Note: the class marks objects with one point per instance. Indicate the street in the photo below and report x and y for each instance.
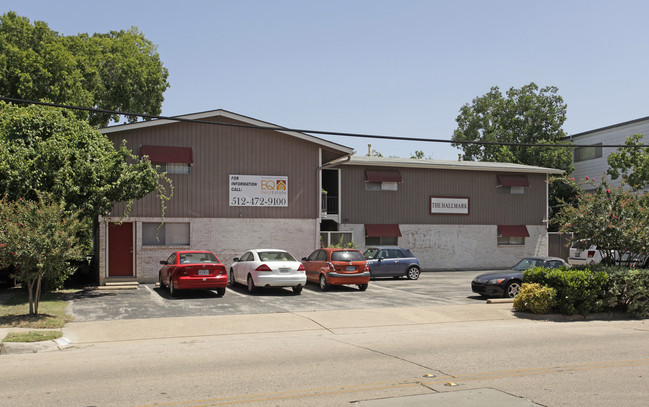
(399, 343)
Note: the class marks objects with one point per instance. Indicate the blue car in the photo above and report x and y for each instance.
(392, 261)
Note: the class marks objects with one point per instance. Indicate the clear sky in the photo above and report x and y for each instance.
(400, 68)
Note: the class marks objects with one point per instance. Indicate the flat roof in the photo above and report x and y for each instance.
(449, 165)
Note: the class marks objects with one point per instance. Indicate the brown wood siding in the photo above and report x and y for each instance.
(221, 151)
(410, 204)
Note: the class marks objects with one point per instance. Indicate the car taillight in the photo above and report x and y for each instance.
(221, 270)
(301, 267)
(591, 253)
(263, 267)
(367, 267)
(331, 266)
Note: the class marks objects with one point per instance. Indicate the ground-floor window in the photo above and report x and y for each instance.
(511, 240)
(381, 240)
(167, 234)
(512, 235)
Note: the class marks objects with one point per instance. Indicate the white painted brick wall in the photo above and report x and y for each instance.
(227, 238)
(462, 247)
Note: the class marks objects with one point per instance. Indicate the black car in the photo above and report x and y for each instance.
(507, 283)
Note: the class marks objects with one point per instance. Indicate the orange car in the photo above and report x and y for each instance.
(335, 266)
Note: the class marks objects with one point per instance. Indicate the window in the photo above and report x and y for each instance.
(168, 234)
(172, 160)
(512, 235)
(512, 184)
(587, 153)
(382, 180)
(382, 234)
(381, 240)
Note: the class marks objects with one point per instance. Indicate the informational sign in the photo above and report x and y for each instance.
(258, 190)
(449, 205)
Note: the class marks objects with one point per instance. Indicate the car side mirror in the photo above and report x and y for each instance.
(163, 261)
(380, 258)
(304, 259)
(236, 259)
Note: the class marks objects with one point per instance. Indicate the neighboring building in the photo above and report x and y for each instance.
(238, 188)
(592, 161)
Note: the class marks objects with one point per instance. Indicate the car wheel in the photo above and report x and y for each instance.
(512, 288)
(172, 290)
(297, 289)
(251, 285)
(232, 282)
(362, 287)
(220, 291)
(413, 273)
(162, 284)
(323, 282)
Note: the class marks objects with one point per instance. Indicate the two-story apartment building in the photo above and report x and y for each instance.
(240, 183)
(592, 161)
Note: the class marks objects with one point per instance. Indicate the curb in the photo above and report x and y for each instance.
(14, 348)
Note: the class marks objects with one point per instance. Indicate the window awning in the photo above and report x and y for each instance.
(383, 176)
(513, 181)
(513, 231)
(168, 154)
(381, 230)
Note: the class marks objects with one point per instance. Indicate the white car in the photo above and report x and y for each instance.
(582, 252)
(268, 268)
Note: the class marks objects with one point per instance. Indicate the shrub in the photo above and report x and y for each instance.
(535, 298)
(579, 291)
(628, 290)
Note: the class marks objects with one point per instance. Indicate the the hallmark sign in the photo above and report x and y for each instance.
(442, 205)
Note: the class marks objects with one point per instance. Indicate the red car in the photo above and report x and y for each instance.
(192, 270)
(337, 266)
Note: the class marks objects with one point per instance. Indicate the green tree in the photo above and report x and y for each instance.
(48, 150)
(528, 115)
(118, 71)
(38, 238)
(615, 219)
(631, 163)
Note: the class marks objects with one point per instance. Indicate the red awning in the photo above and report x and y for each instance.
(168, 154)
(513, 181)
(513, 231)
(383, 176)
(377, 230)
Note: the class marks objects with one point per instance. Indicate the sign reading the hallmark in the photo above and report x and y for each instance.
(449, 205)
(258, 190)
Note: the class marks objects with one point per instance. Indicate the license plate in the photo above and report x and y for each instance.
(350, 268)
(284, 270)
(203, 272)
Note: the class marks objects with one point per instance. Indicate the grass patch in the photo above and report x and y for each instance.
(32, 336)
(51, 311)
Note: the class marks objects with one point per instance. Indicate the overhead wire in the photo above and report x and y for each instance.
(311, 131)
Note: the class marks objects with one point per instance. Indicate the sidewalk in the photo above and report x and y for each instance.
(316, 321)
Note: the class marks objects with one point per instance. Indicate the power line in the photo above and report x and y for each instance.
(320, 132)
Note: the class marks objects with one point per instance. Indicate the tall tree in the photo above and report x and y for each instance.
(48, 150)
(528, 115)
(631, 163)
(118, 71)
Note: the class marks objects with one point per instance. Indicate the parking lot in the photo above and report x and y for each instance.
(150, 301)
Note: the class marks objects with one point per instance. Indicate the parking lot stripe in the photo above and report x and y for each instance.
(410, 293)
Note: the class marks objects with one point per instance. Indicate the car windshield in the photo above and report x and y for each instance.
(275, 256)
(581, 245)
(347, 255)
(528, 264)
(188, 258)
(371, 254)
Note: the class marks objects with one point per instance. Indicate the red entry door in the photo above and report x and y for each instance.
(120, 249)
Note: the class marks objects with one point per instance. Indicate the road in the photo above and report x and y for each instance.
(367, 357)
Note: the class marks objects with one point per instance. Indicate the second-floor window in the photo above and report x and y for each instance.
(588, 153)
